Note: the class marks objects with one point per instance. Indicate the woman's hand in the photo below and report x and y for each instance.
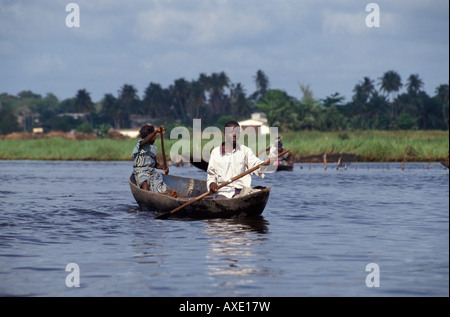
(160, 130)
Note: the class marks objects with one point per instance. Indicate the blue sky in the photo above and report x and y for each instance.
(321, 43)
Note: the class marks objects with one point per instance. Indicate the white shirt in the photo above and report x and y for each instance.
(224, 166)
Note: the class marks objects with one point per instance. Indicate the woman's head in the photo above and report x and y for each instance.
(146, 129)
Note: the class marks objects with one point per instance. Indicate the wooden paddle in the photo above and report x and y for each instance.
(162, 149)
(168, 214)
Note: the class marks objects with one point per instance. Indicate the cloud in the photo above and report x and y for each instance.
(322, 43)
(344, 23)
(202, 24)
(45, 64)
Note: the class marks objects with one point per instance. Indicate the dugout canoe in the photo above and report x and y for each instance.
(251, 204)
(281, 168)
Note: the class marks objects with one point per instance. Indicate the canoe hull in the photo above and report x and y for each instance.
(288, 168)
(252, 204)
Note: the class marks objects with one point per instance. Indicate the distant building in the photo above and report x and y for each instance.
(74, 115)
(130, 133)
(38, 130)
(258, 121)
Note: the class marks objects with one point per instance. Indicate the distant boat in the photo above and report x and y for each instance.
(251, 204)
(288, 168)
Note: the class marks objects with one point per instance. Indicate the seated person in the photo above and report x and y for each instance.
(229, 160)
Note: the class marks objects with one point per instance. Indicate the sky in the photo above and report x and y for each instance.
(325, 44)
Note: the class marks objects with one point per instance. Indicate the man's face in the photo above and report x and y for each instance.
(232, 134)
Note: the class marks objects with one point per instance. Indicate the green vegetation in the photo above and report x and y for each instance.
(377, 125)
(64, 149)
(214, 99)
(370, 146)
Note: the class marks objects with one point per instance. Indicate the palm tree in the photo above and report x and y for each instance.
(359, 106)
(391, 83)
(219, 100)
(111, 109)
(364, 90)
(214, 85)
(129, 103)
(414, 84)
(262, 85)
(179, 92)
(129, 100)
(156, 102)
(333, 100)
(196, 98)
(83, 103)
(241, 105)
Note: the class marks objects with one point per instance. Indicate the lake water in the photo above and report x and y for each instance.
(317, 234)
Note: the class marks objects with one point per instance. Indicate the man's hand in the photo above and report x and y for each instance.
(213, 187)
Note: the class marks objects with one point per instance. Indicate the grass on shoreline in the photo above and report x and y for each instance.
(373, 146)
(369, 146)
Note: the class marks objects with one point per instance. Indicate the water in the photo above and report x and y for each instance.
(318, 233)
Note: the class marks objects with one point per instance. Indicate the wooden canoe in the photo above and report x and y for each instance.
(285, 168)
(252, 204)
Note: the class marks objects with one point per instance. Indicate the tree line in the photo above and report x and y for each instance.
(386, 104)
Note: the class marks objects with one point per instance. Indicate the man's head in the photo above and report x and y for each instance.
(232, 132)
(280, 147)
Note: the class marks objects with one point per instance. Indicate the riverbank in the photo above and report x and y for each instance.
(307, 146)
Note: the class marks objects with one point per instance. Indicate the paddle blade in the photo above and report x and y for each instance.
(163, 216)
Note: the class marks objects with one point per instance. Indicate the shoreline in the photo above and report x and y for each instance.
(307, 147)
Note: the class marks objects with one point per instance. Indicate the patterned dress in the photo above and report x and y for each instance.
(144, 167)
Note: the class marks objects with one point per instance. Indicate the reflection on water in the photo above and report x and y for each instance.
(232, 246)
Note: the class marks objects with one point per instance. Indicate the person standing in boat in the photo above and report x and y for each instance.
(145, 164)
(228, 160)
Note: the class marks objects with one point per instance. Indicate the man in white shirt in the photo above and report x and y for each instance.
(229, 160)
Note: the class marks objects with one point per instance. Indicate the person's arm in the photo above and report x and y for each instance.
(291, 158)
(252, 161)
(161, 167)
(212, 177)
(151, 137)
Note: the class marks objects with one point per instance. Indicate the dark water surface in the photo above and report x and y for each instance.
(318, 233)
